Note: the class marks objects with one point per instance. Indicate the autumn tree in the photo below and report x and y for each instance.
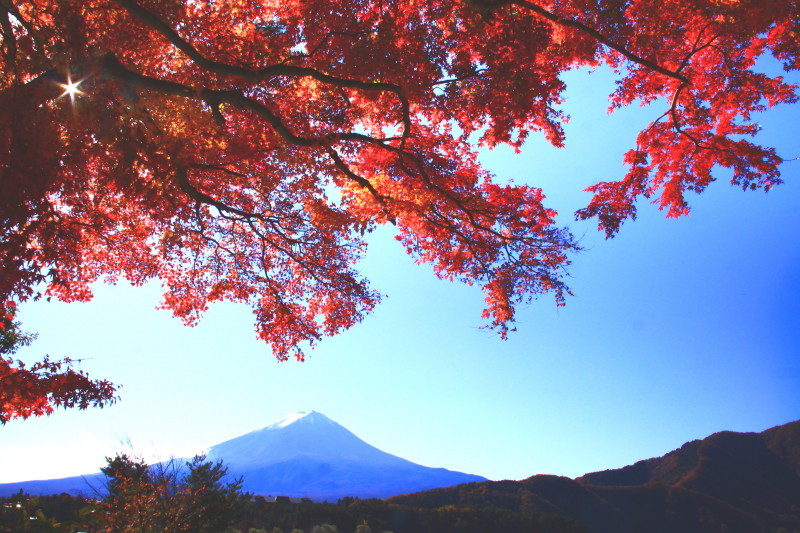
(39, 388)
(241, 150)
(212, 500)
(172, 497)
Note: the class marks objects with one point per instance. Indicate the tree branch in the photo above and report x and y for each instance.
(10, 41)
(256, 76)
(186, 186)
(486, 6)
(365, 183)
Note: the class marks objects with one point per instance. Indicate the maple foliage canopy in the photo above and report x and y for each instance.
(241, 149)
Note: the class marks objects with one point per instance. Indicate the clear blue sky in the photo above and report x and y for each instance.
(678, 329)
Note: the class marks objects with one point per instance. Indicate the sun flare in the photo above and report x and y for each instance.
(71, 88)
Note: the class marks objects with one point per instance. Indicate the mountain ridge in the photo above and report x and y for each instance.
(732, 482)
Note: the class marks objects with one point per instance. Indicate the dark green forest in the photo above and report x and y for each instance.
(68, 514)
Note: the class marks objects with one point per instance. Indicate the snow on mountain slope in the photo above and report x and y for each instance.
(308, 433)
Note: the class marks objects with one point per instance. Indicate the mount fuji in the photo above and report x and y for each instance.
(305, 454)
(308, 454)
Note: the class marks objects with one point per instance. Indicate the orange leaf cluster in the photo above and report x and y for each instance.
(38, 389)
(46, 385)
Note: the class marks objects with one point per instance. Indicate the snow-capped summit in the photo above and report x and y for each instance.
(295, 417)
(306, 417)
(307, 433)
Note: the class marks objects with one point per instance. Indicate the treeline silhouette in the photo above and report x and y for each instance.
(64, 514)
(348, 514)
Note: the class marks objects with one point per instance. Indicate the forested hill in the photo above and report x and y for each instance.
(729, 482)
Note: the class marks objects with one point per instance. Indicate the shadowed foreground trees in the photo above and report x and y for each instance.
(172, 497)
(241, 150)
(365, 516)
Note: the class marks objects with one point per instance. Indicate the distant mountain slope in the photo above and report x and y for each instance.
(304, 454)
(87, 485)
(308, 454)
(728, 482)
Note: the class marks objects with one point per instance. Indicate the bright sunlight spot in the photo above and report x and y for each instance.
(71, 88)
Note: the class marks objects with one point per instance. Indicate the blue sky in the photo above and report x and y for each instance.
(678, 329)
